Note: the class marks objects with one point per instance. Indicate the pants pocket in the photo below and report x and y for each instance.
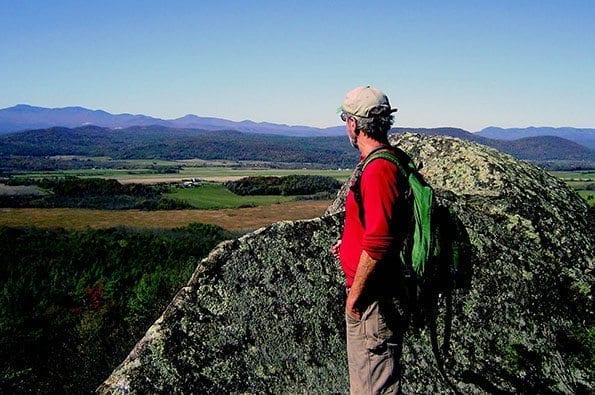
(378, 333)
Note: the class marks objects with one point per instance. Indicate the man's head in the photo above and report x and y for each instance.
(370, 109)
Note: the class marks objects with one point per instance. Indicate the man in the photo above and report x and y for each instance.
(375, 213)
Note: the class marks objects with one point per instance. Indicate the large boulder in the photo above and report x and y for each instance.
(264, 313)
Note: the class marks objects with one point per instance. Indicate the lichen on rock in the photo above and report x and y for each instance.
(264, 313)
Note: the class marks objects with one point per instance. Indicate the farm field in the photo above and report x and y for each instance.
(140, 171)
(216, 196)
(583, 182)
(579, 174)
(215, 174)
(219, 174)
(237, 219)
(212, 201)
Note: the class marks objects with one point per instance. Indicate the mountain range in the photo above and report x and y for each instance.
(80, 131)
(26, 117)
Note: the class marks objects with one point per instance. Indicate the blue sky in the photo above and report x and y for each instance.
(468, 64)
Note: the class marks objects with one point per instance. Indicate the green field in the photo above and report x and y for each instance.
(583, 182)
(579, 174)
(589, 196)
(216, 196)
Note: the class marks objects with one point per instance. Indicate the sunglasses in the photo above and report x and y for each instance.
(345, 116)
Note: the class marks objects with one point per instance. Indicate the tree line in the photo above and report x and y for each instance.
(287, 185)
(94, 193)
(25, 164)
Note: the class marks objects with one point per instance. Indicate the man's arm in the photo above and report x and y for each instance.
(365, 270)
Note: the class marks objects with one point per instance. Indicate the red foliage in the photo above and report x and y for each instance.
(95, 297)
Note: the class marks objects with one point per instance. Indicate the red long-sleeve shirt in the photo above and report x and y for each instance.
(379, 186)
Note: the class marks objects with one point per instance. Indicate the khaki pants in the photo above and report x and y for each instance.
(373, 351)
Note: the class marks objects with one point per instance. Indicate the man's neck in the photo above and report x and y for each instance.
(367, 145)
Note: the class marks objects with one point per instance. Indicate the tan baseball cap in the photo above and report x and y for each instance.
(366, 102)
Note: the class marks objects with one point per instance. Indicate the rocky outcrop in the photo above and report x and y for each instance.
(263, 313)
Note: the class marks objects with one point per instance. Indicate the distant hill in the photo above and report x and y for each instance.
(544, 148)
(160, 142)
(26, 117)
(175, 143)
(584, 137)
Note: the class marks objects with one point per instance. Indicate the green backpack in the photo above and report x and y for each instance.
(424, 239)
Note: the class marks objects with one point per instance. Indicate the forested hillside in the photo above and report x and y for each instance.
(166, 143)
(289, 185)
(73, 303)
(583, 136)
(157, 142)
(544, 148)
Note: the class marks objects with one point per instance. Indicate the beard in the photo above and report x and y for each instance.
(353, 141)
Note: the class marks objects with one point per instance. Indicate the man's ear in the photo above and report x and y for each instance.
(355, 128)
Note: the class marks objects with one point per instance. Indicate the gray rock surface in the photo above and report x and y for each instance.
(263, 313)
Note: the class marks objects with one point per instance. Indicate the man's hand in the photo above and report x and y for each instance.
(351, 308)
(335, 249)
(355, 304)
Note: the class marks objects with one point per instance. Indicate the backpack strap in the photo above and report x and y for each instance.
(393, 155)
(378, 153)
(382, 153)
